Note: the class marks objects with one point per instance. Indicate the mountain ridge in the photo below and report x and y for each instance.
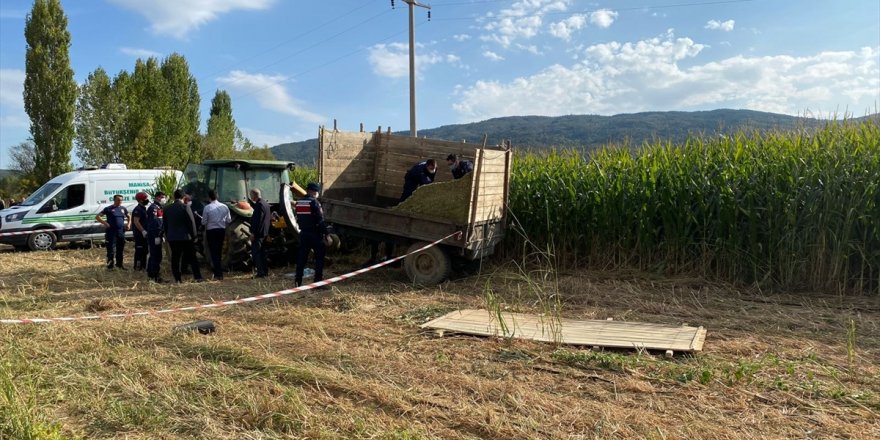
(587, 132)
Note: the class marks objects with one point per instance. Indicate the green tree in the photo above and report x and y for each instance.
(148, 113)
(95, 122)
(245, 149)
(180, 131)
(219, 142)
(23, 158)
(49, 88)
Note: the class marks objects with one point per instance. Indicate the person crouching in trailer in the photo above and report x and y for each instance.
(458, 166)
(312, 233)
(420, 174)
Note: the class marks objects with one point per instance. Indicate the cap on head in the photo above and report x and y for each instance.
(312, 186)
(141, 196)
(159, 194)
(451, 158)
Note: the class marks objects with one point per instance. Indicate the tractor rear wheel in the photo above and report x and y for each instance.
(237, 245)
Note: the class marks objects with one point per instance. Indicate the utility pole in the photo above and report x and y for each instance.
(412, 62)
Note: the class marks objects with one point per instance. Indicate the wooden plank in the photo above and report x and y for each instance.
(613, 334)
(350, 184)
(358, 167)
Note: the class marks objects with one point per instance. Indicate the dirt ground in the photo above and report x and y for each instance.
(351, 361)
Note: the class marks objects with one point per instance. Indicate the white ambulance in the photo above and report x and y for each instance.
(69, 203)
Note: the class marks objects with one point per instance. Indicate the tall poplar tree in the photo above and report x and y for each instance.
(181, 130)
(95, 122)
(49, 88)
(219, 142)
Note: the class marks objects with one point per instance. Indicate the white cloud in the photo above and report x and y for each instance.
(716, 25)
(619, 77)
(12, 113)
(603, 18)
(563, 29)
(392, 60)
(139, 53)
(461, 37)
(260, 138)
(523, 20)
(179, 17)
(492, 56)
(270, 92)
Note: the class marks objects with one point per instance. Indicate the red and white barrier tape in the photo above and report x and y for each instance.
(230, 302)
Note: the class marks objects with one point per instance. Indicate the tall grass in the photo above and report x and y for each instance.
(796, 210)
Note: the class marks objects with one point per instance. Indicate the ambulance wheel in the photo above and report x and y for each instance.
(42, 241)
(429, 267)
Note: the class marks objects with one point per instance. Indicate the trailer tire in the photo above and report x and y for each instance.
(42, 241)
(429, 267)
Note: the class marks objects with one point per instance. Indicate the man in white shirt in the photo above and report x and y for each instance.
(215, 218)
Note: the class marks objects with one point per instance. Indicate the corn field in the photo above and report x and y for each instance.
(797, 210)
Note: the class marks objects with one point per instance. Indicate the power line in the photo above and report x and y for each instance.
(307, 48)
(633, 8)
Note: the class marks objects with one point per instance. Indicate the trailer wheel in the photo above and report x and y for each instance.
(428, 267)
(42, 241)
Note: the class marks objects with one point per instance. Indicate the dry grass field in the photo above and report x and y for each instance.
(351, 362)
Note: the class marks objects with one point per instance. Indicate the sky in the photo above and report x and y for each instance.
(291, 66)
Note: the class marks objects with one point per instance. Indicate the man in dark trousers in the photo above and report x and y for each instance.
(155, 235)
(458, 166)
(180, 231)
(118, 221)
(312, 233)
(420, 174)
(216, 218)
(261, 221)
(139, 228)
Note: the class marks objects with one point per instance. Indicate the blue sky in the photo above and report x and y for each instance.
(291, 66)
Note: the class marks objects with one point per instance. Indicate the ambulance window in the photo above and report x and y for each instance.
(71, 197)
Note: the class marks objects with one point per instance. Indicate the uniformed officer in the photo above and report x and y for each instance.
(459, 166)
(139, 229)
(420, 174)
(155, 235)
(118, 221)
(312, 233)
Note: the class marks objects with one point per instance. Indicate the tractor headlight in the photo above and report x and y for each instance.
(15, 217)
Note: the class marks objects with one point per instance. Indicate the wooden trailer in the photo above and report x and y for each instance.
(362, 175)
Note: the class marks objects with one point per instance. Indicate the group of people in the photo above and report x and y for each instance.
(423, 173)
(154, 223)
(11, 203)
(157, 222)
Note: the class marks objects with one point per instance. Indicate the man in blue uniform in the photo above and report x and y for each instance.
(312, 233)
(261, 222)
(420, 174)
(155, 234)
(118, 221)
(139, 228)
(458, 166)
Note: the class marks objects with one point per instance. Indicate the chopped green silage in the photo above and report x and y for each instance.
(446, 200)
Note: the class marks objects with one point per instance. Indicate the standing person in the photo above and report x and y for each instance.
(155, 235)
(139, 229)
(180, 231)
(2, 204)
(312, 233)
(458, 166)
(118, 221)
(215, 218)
(420, 174)
(261, 221)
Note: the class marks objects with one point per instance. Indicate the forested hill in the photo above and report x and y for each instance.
(587, 131)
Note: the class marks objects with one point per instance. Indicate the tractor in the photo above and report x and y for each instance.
(232, 179)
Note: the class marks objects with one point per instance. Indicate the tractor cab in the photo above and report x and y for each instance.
(232, 179)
